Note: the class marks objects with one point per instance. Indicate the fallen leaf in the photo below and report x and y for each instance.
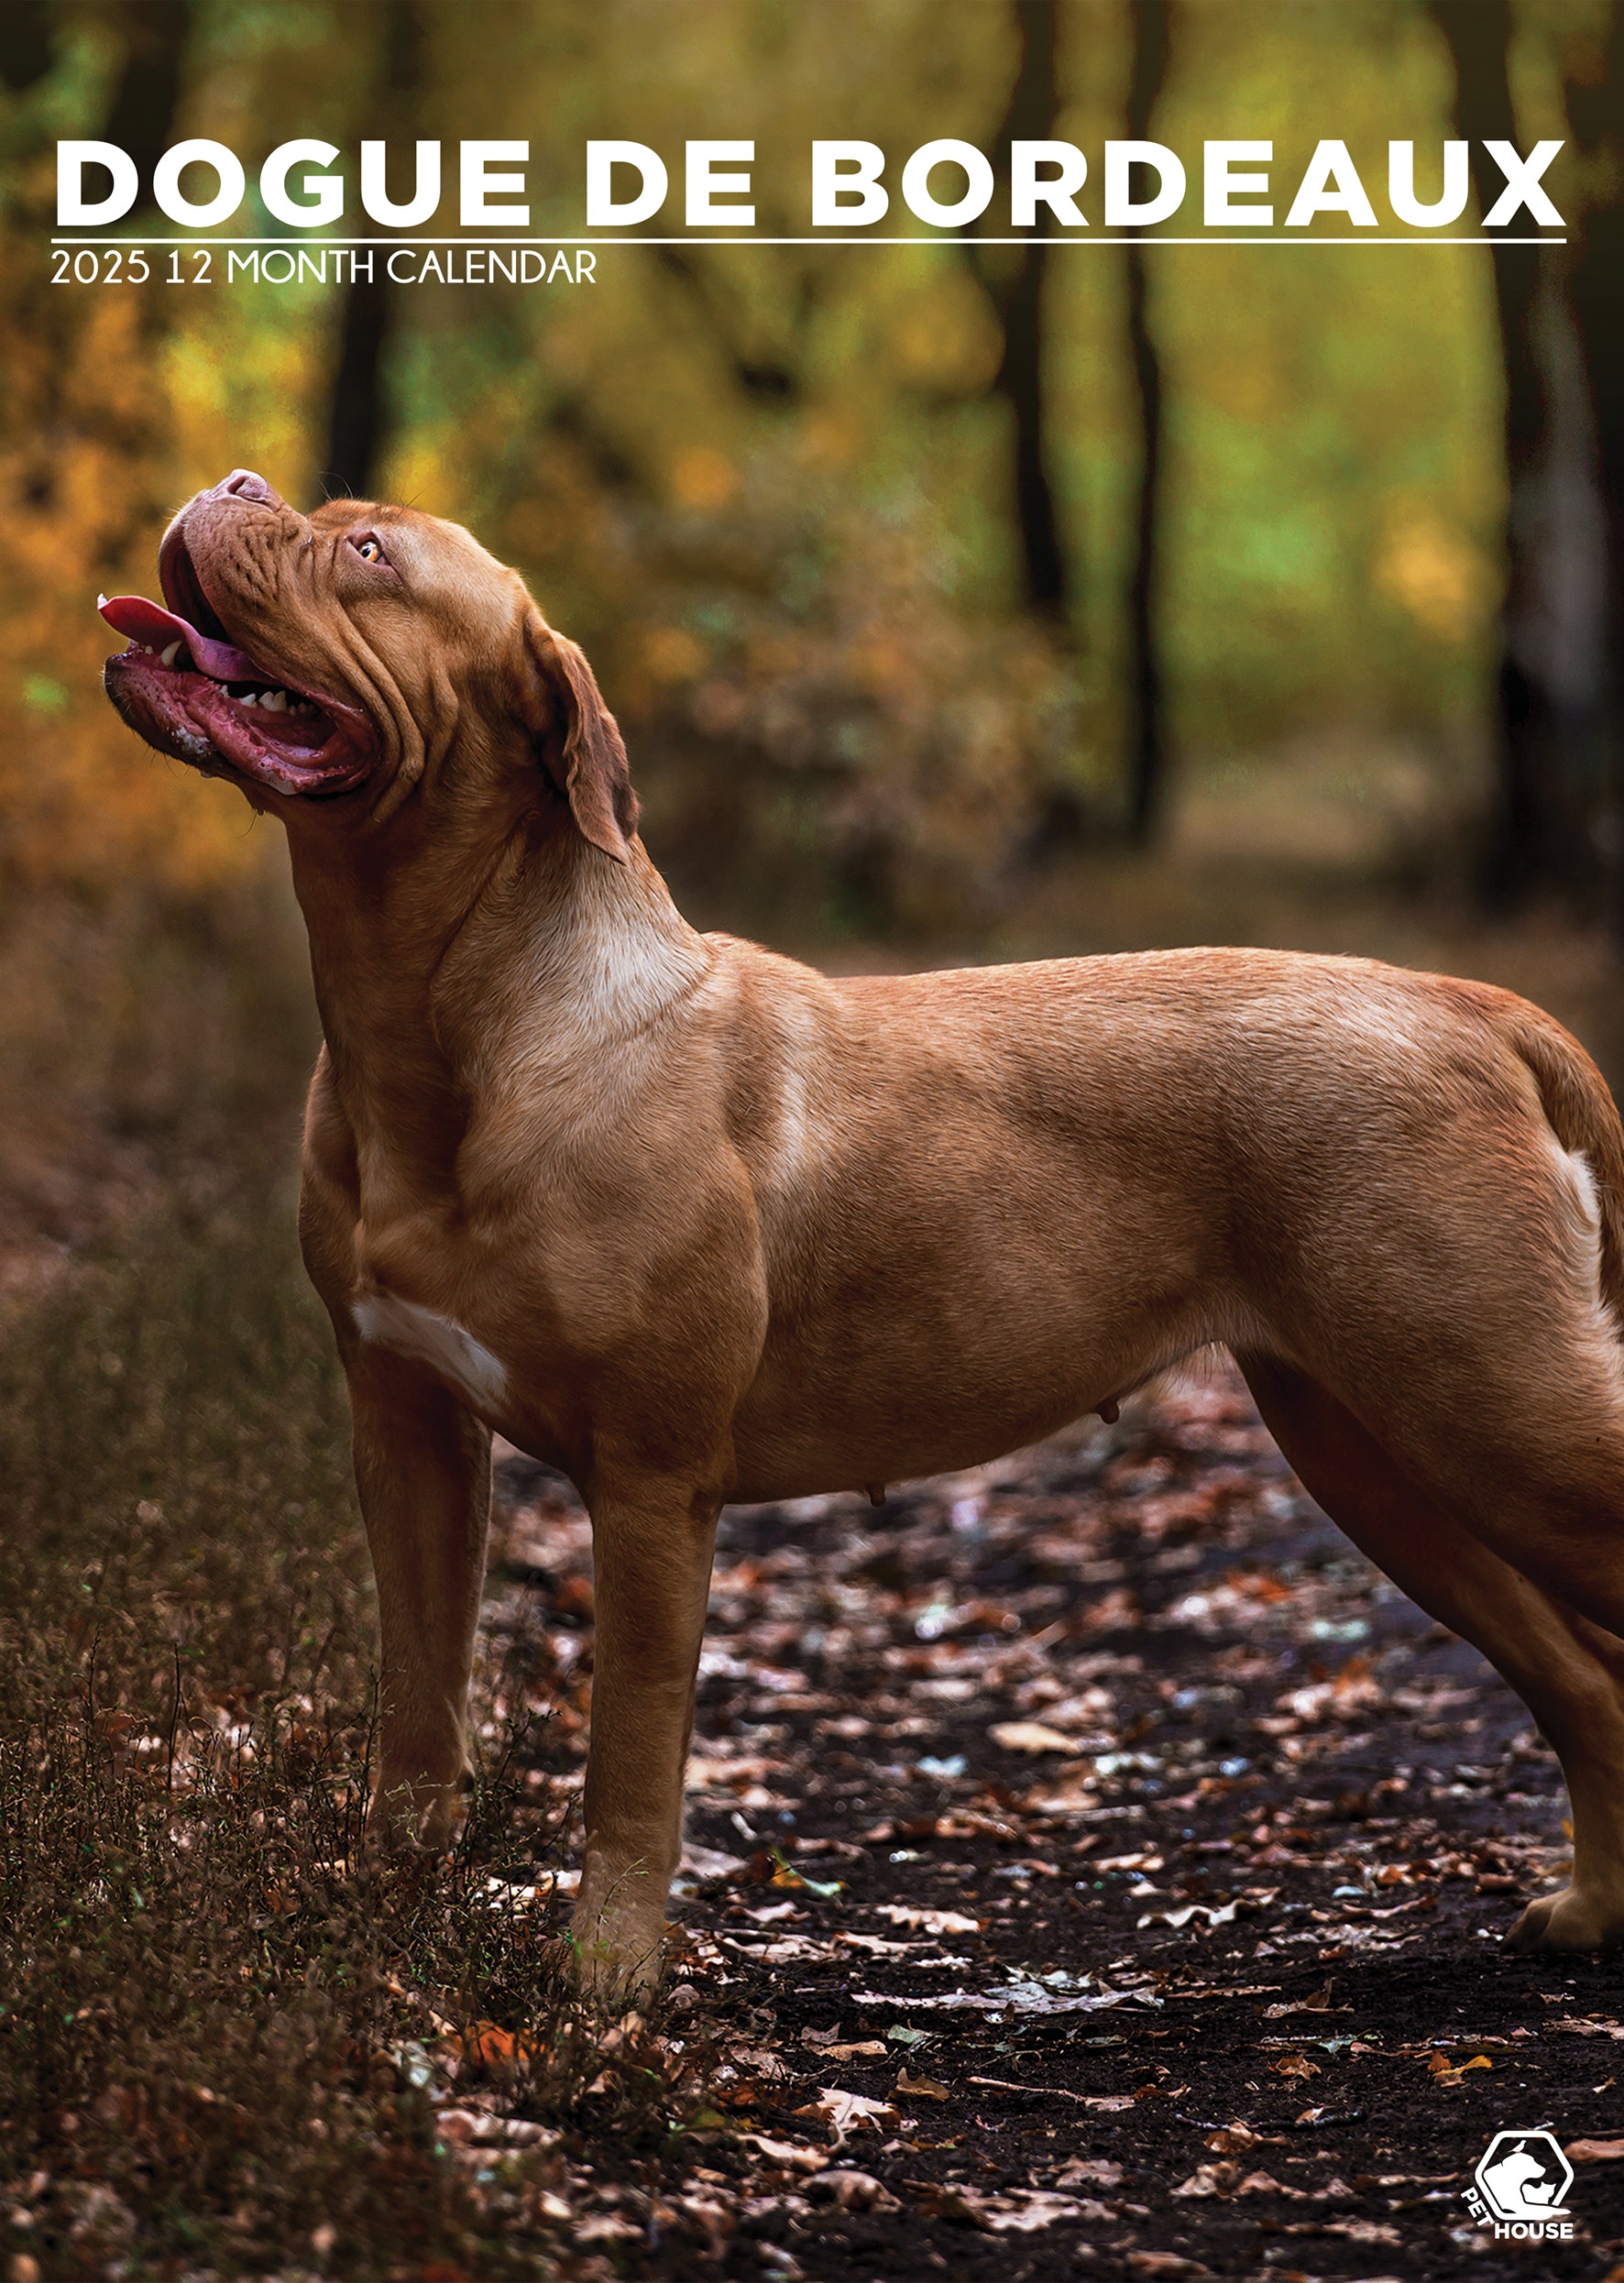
(1594, 2151)
(854, 2190)
(1445, 2072)
(1215, 1914)
(928, 1921)
(709, 1862)
(605, 2227)
(1030, 1735)
(1089, 2172)
(1025, 2210)
(1017, 1997)
(922, 2088)
(1319, 2003)
(469, 2128)
(757, 2061)
(1353, 1691)
(1295, 2064)
(1232, 2140)
(485, 2045)
(1021, 2210)
(846, 2113)
(784, 1874)
(784, 1949)
(1207, 2179)
(790, 2155)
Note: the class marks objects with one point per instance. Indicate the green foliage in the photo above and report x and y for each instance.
(716, 463)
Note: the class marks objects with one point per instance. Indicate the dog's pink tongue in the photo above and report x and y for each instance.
(142, 621)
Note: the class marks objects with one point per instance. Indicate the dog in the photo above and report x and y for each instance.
(693, 1223)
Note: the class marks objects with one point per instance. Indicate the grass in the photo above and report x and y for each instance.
(227, 2038)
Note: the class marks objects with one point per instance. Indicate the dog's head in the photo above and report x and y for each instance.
(357, 658)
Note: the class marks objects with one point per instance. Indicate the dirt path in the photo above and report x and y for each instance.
(1094, 1865)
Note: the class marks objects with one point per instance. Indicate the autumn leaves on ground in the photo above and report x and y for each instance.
(1092, 1864)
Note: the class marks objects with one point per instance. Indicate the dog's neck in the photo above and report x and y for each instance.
(428, 951)
(591, 953)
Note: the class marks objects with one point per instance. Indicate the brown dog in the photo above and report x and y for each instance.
(693, 1223)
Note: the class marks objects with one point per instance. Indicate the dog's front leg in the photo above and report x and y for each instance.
(422, 1469)
(653, 1542)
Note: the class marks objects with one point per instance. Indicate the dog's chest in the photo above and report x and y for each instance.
(449, 1349)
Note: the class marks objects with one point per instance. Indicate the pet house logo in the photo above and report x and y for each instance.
(1521, 2185)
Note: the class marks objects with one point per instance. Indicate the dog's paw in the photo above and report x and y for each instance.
(406, 1816)
(1571, 1919)
(618, 1960)
(617, 1928)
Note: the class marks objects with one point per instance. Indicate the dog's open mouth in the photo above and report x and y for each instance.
(185, 687)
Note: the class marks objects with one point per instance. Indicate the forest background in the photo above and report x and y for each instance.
(957, 601)
(928, 580)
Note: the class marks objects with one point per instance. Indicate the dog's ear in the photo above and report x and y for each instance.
(578, 742)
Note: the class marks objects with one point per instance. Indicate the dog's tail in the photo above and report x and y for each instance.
(1583, 1116)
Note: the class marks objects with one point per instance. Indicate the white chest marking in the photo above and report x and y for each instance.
(478, 1377)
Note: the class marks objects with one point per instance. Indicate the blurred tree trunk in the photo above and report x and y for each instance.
(1146, 749)
(358, 419)
(24, 43)
(141, 117)
(1550, 781)
(356, 412)
(1595, 287)
(1017, 296)
(56, 404)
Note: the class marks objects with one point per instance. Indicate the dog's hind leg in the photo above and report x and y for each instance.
(1567, 1671)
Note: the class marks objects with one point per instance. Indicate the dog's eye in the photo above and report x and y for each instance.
(369, 549)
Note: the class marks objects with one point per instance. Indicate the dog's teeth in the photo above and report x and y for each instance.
(167, 657)
(275, 700)
(251, 699)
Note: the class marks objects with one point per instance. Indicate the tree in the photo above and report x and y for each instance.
(1550, 674)
(1595, 287)
(1017, 294)
(26, 44)
(357, 411)
(1147, 747)
(141, 117)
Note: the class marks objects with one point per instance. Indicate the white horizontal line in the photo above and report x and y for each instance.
(1136, 237)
